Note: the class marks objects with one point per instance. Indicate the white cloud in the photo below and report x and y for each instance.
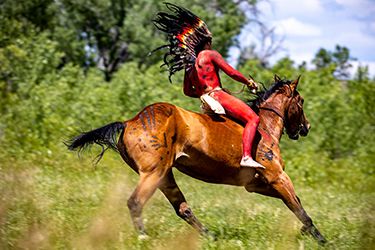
(291, 7)
(358, 39)
(358, 8)
(355, 65)
(294, 27)
(299, 58)
(313, 24)
(372, 26)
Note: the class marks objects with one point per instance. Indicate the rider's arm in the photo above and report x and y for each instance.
(218, 60)
(189, 89)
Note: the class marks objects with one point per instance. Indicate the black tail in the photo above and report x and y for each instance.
(105, 136)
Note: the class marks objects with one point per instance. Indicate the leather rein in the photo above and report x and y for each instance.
(277, 112)
(300, 126)
(272, 108)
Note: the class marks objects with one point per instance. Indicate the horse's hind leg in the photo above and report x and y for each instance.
(146, 187)
(177, 199)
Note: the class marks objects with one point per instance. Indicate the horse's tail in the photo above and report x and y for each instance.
(105, 136)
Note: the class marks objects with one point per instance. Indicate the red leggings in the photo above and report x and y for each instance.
(239, 110)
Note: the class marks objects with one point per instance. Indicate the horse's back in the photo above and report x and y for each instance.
(208, 148)
(164, 132)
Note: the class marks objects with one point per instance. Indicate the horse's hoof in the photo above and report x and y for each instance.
(304, 230)
(143, 236)
(209, 234)
(313, 232)
(213, 236)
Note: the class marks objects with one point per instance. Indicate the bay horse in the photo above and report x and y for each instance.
(208, 148)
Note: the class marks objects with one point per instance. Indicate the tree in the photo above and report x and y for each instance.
(25, 58)
(339, 58)
(322, 59)
(107, 33)
(270, 44)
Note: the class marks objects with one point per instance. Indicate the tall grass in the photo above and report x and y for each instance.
(57, 201)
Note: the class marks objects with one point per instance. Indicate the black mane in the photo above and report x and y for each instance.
(265, 93)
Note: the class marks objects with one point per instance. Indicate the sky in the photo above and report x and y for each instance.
(308, 25)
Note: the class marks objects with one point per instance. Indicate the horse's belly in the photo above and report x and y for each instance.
(210, 170)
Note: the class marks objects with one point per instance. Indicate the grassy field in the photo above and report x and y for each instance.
(57, 201)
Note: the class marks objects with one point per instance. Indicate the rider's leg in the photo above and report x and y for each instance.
(239, 110)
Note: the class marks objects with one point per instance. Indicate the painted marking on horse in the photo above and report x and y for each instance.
(148, 118)
(143, 122)
(266, 154)
(163, 110)
(264, 134)
(152, 115)
(157, 142)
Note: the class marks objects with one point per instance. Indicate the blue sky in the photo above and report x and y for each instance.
(308, 25)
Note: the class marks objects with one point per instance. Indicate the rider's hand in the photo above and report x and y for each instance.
(252, 84)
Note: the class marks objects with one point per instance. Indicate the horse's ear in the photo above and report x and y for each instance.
(276, 78)
(295, 83)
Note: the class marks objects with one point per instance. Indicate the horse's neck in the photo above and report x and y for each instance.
(270, 121)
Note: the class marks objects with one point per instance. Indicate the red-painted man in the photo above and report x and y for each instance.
(191, 49)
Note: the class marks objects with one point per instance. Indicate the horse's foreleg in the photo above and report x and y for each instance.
(177, 199)
(282, 188)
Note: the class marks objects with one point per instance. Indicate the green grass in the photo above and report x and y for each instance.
(57, 201)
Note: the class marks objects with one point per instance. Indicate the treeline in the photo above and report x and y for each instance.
(60, 57)
(77, 65)
(338, 148)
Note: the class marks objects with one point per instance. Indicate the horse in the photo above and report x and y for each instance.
(208, 148)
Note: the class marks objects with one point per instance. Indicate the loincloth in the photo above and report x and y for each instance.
(210, 105)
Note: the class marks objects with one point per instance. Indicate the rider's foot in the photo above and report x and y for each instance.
(247, 161)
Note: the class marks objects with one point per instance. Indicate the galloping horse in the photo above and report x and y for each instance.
(208, 148)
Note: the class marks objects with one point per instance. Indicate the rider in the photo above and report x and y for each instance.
(191, 48)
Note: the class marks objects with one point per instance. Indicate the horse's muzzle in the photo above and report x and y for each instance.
(305, 130)
(302, 130)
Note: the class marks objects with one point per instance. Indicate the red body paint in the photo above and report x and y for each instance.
(203, 77)
(264, 135)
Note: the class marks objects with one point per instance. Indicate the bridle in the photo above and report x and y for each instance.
(300, 126)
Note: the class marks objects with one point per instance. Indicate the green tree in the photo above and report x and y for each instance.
(322, 59)
(340, 58)
(107, 33)
(25, 59)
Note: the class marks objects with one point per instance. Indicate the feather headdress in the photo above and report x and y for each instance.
(187, 34)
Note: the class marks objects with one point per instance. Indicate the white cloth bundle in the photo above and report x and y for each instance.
(212, 103)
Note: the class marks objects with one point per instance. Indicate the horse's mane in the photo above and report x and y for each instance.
(266, 91)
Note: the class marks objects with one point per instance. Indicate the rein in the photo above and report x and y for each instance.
(260, 96)
(273, 109)
(238, 92)
(282, 117)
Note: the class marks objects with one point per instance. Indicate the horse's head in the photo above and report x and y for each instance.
(285, 101)
(296, 122)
